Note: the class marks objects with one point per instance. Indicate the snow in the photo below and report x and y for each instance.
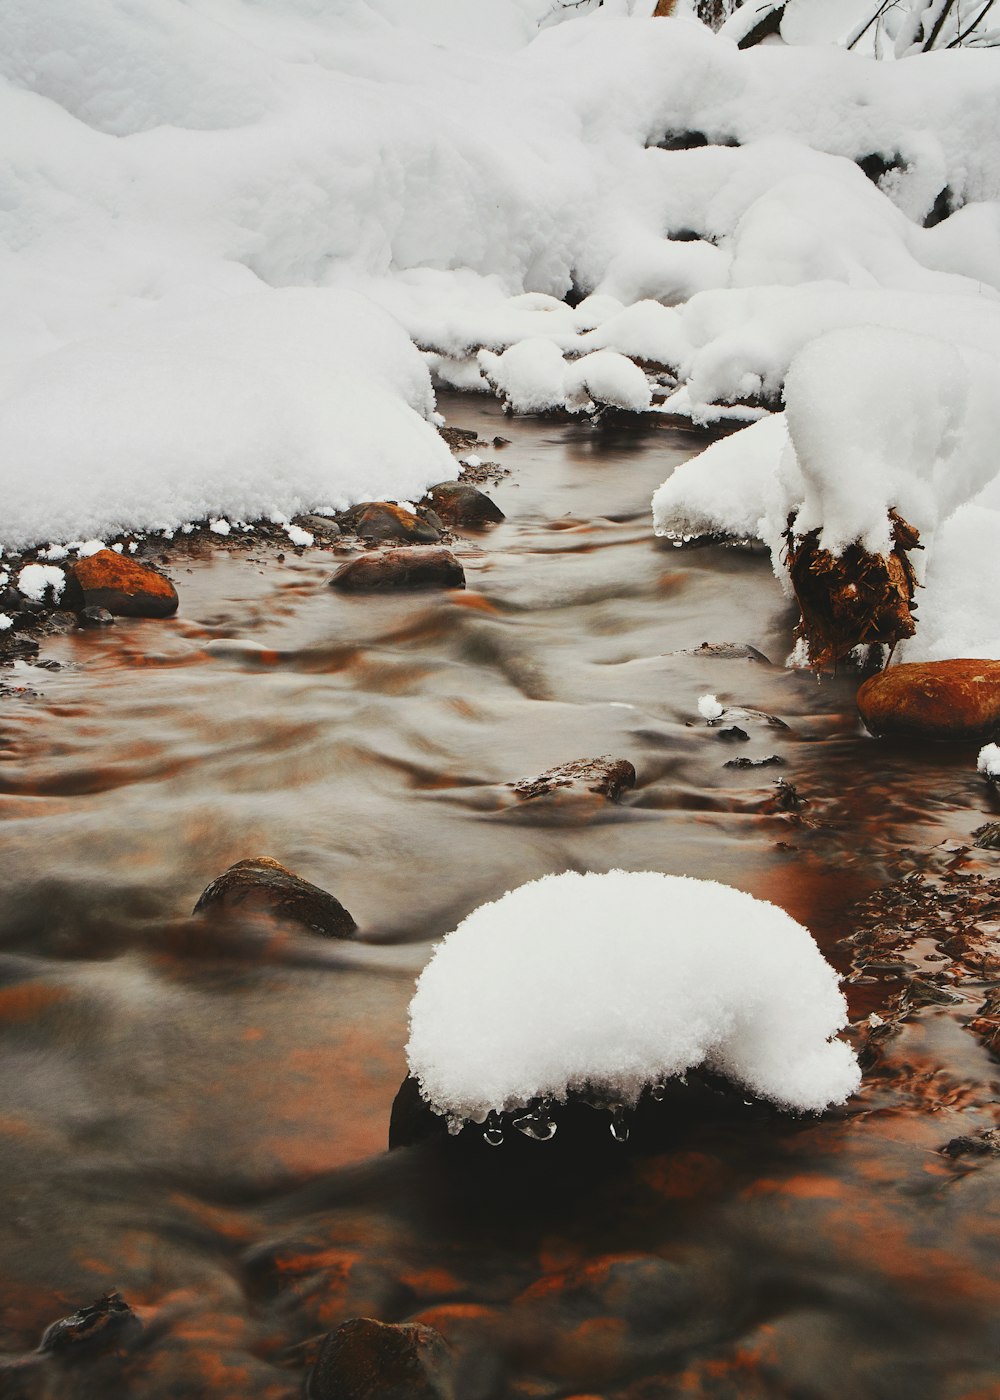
(238, 239)
(709, 708)
(988, 762)
(611, 983)
(6, 622)
(35, 580)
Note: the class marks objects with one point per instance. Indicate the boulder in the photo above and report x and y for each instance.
(383, 520)
(607, 777)
(263, 886)
(957, 699)
(400, 568)
(368, 1360)
(458, 503)
(121, 585)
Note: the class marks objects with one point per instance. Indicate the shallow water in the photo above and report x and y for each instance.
(198, 1117)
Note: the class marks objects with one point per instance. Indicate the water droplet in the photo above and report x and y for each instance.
(493, 1132)
(538, 1125)
(658, 1092)
(619, 1125)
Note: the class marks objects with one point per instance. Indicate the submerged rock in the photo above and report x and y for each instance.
(120, 584)
(107, 1325)
(95, 617)
(729, 651)
(607, 777)
(983, 1144)
(368, 1360)
(264, 886)
(957, 699)
(458, 503)
(383, 520)
(400, 568)
(987, 837)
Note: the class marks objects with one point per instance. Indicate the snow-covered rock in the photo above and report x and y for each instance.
(611, 983)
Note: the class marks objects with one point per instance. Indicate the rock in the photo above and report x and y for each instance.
(729, 651)
(122, 585)
(368, 1360)
(262, 885)
(733, 735)
(95, 617)
(958, 699)
(400, 568)
(771, 761)
(458, 503)
(987, 837)
(459, 437)
(607, 777)
(107, 1325)
(983, 1144)
(322, 527)
(382, 520)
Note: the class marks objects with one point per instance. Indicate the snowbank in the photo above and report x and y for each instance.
(611, 983)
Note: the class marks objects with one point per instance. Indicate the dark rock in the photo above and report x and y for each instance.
(10, 600)
(986, 1143)
(320, 526)
(368, 1360)
(920, 992)
(412, 1119)
(17, 648)
(107, 1325)
(459, 437)
(458, 503)
(95, 617)
(958, 699)
(787, 798)
(772, 761)
(400, 568)
(733, 735)
(943, 207)
(383, 520)
(31, 608)
(692, 140)
(263, 886)
(607, 777)
(120, 584)
(987, 837)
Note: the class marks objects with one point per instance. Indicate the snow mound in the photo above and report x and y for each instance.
(610, 983)
(988, 762)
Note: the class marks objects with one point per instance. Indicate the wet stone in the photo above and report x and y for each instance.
(730, 651)
(383, 520)
(369, 1360)
(263, 886)
(733, 735)
(459, 503)
(987, 837)
(105, 1326)
(607, 777)
(398, 568)
(984, 1144)
(771, 761)
(321, 527)
(948, 700)
(121, 585)
(95, 617)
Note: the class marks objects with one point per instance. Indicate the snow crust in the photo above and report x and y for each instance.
(609, 983)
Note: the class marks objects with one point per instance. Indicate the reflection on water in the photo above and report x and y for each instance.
(197, 1115)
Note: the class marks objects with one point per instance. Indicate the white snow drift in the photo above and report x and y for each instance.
(615, 982)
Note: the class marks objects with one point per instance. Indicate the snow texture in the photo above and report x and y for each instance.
(988, 762)
(609, 983)
(35, 580)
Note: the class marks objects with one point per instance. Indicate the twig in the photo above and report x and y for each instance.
(961, 38)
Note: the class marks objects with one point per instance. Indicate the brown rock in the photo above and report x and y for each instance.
(263, 886)
(107, 1325)
(368, 1360)
(321, 527)
(122, 585)
(957, 699)
(383, 520)
(458, 503)
(400, 568)
(607, 777)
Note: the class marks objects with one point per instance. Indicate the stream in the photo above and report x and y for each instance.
(198, 1115)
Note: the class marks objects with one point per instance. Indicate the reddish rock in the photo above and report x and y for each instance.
(368, 1360)
(121, 585)
(400, 568)
(957, 699)
(264, 886)
(458, 503)
(383, 520)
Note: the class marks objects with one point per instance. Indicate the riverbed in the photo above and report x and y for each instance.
(198, 1116)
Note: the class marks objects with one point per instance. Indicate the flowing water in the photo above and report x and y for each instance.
(197, 1115)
